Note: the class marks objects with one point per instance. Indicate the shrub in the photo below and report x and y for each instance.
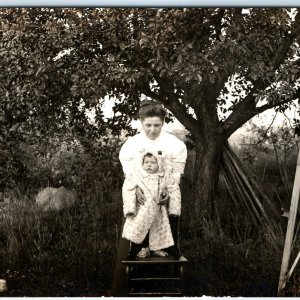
(70, 252)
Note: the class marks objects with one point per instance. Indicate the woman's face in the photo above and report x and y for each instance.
(152, 127)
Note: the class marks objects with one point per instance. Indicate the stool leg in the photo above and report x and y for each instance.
(182, 280)
(127, 280)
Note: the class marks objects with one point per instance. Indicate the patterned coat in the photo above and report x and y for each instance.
(150, 217)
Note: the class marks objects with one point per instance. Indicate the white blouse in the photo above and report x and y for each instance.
(167, 143)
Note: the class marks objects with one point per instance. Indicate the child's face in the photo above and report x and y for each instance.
(150, 165)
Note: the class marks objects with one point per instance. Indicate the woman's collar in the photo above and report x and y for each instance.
(163, 131)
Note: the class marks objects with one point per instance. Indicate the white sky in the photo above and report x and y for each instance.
(264, 119)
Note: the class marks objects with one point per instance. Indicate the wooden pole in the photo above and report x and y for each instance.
(290, 229)
(293, 266)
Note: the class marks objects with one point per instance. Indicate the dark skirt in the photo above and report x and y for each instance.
(118, 286)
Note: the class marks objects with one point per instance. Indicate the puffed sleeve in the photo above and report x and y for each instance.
(174, 207)
(129, 196)
(179, 156)
(126, 156)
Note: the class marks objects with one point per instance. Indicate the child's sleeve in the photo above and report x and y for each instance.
(174, 207)
(129, 196)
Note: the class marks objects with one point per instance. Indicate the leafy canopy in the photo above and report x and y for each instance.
(59, 63)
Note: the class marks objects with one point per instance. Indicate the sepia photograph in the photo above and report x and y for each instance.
(149, 152)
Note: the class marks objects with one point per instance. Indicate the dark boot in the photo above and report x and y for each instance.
(136, 248)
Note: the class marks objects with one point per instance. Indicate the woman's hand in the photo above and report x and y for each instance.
(164, 197)
(140, 197)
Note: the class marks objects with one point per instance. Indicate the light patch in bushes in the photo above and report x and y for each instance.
(55, 198)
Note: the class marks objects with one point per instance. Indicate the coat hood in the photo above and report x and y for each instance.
(160, 157)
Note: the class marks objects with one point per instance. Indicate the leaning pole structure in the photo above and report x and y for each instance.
(290, 227)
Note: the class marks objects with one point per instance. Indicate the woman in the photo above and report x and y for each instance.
(151, 138)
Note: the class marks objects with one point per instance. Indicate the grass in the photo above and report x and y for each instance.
(223, 266)
(67, 253)
(71, 253)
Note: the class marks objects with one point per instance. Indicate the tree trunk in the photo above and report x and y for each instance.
(207, 167)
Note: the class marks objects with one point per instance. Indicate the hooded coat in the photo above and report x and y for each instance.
(150, 217)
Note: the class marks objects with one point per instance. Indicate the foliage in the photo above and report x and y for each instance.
(61, 64)
(277, 146)
(38, 247)
(224, 265)
(279, 139)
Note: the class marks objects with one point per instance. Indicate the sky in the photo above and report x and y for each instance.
(266, 119)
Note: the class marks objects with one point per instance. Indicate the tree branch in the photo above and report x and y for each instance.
(244, 111)
(218, 22)
(214, 88)
(247, 109)
(272, 105)
(250, 113)
(171, 102)
(283, 49)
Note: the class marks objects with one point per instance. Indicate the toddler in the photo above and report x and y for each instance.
(147, 226)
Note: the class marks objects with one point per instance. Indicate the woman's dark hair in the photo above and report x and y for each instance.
(150, 108)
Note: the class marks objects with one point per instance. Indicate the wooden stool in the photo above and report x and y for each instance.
(155, 276)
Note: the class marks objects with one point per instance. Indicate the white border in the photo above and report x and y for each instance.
(149, 3)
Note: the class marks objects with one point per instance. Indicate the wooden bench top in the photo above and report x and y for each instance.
(154, 260)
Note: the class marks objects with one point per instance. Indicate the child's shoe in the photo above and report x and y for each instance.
(145, 252)
(160, 253)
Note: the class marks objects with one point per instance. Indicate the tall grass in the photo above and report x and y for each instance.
(220, 265)
(59, 253)
(229, 256)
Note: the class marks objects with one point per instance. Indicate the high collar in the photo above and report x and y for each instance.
(155, 140)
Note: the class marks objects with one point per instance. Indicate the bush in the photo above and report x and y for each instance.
(71, 252)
